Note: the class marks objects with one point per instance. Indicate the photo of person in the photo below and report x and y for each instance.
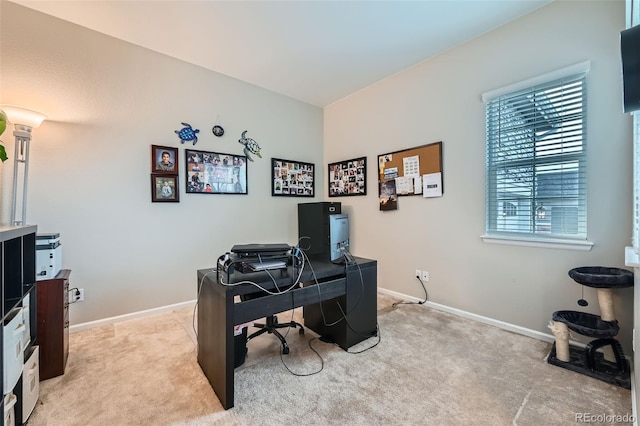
(166, 191)
(164, 160)
(164, 188)
(166, 164)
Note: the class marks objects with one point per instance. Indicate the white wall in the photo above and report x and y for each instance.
(440, 100)
(108, 101)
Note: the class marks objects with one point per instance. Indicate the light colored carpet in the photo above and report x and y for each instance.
(430, 368)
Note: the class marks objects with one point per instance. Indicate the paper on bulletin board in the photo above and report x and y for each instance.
(388, 195)
(411, 174)
(390, 173)
(417, 186)
(411, 166)
(432, 185)
(404, 185)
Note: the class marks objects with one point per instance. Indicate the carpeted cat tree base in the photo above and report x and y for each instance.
(607, 371)
(591, 360)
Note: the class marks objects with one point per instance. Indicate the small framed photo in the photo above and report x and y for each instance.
(348, 177)
(215, 172)
(292, 178)
(164, 159)
(164, 188)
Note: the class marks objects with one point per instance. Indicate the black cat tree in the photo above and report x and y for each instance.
(603, 328)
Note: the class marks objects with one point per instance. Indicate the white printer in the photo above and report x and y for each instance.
(48, 256)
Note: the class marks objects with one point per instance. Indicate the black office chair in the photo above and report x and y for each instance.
(272, 325)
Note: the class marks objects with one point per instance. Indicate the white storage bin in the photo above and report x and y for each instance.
(9, 412)
(13, 355)
(30, 383)
(26, 320)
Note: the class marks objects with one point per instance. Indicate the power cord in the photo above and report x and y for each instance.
(193, 321)
(370, 347)
(76, 295)
(310, 347)
(421, 302)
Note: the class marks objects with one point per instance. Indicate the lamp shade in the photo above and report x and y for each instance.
(22, 116)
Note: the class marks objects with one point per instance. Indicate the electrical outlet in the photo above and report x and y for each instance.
(418, 273)
(425, 276)
(80, 297)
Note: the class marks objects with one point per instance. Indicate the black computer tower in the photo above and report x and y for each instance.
(314, 232)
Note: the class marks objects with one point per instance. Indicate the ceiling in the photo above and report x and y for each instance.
(314, 51)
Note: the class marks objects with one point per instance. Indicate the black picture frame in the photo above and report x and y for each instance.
(215, 172)
(291, 178)
(164, 160)
(164, 188)
(347, 178)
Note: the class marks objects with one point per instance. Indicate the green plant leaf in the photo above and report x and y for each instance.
(3, 154)
(3, 122)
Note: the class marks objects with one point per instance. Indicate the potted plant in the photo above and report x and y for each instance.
(3, 126)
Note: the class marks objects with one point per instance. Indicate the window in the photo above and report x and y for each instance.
(636, 182)
(536, 157)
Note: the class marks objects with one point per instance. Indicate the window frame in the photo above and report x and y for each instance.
(536, 238)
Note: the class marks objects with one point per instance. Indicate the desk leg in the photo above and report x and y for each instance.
(215, 340)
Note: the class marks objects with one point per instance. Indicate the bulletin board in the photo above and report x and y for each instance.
(416, 171)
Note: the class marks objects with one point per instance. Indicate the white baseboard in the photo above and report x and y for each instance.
(133, 315)
(486, 320)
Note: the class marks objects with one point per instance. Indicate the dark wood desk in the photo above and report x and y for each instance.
(353, 287)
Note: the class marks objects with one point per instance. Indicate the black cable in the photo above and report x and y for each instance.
(76, 296)
(324, 319)
(305, 374)
(370, 347)
(193, 319)
(309, 343)
(422, 302)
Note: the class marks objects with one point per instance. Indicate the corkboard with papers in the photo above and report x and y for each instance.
(413, 171)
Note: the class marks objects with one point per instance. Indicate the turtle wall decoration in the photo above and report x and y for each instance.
(188, 134)
(250, 146)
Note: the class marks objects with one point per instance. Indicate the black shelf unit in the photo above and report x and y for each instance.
(18, 275)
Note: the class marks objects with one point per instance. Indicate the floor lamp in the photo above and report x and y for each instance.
(23, 121)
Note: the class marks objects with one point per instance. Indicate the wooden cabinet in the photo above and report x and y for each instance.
(53, 324)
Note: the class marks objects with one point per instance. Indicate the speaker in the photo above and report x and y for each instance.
(314, 229)
(630, 55)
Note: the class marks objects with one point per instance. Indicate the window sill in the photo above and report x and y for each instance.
(538, 242)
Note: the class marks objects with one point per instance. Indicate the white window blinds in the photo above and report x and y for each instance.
(536, 160)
